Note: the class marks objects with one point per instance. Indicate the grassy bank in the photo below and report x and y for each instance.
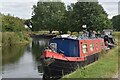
(105, 67)
(116, 35)
(0, 38)
(10, 38)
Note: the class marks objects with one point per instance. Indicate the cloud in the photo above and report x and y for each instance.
(18, 0)
(69, 1)
(108, 0)
(119, 7)
(111, 8)
(22, 9)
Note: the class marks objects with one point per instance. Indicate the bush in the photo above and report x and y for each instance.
(10, 38)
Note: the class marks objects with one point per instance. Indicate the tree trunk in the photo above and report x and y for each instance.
(78, 32)
(50, 32)
(60, 32)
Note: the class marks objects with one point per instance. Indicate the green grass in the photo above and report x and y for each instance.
(0, 38)
(0, 56)
(116, 35)
(40, 32)
(0, 61)
(105, 67)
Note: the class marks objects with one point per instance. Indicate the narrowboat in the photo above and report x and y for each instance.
(65, 54)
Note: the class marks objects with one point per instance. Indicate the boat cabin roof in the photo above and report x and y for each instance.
(77, 38)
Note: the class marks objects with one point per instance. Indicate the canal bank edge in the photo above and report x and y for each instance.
(15, 38)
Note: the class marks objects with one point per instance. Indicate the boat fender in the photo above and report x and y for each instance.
(52, 57)
(63, 55)
(85, 58)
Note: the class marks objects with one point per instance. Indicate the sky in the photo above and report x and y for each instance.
(23, 8)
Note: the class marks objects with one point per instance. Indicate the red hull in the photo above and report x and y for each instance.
(55, 68)
(60, 56)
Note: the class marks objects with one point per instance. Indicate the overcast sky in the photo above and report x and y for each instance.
(23, 8)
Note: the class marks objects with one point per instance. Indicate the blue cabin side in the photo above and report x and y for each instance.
(66, 46)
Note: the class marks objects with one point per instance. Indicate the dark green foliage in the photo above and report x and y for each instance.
(54, 16)
(10, 23)
(116, 22)
(88, 13)
(48, 16)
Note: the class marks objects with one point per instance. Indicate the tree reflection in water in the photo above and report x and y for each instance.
(38, 45)
(19, 58)
(11, 54)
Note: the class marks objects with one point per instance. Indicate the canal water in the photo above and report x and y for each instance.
(23, 61)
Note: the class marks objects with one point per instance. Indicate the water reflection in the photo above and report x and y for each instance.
(11, 54)
(23, 61)
(0, 62)
(38, 46)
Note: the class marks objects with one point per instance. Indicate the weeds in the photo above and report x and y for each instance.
(10, 38)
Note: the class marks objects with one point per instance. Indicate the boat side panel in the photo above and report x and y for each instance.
(96, 49)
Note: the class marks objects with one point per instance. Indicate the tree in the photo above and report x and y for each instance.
(55, 16)
(10, 23)
(88, 13)
(48, 16)
(116, 23)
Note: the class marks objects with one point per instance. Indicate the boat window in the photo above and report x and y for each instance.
(102, 44)
(96, 45)
(91, 47)
(53, 46)
(84, 48)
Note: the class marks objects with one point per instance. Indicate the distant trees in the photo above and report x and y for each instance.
(116, 22)
(10, 23)
(55, 16)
